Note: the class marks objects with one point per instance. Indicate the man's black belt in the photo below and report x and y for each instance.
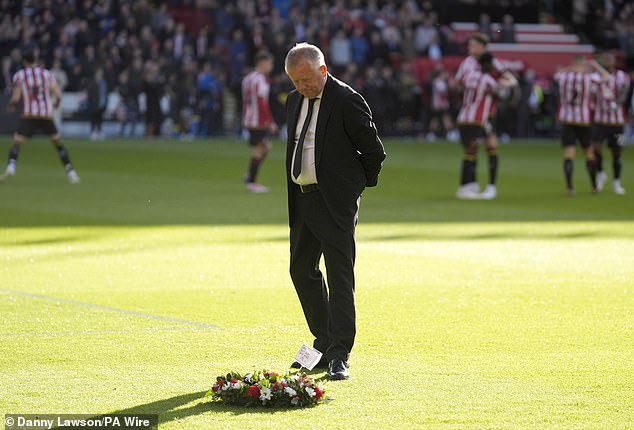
(308, 188)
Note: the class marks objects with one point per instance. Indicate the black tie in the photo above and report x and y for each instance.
(299, 149)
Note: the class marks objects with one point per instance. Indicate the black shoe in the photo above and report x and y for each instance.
(338, 369)
(322, 364)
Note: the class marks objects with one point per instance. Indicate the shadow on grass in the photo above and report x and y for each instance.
(192, 404)
(186, 405)
(47, 241)
(486, 236)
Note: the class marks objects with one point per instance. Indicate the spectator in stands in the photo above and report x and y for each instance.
(434, 52)
(97, 98)
(359, 47)
(129, 89)
(114, 33)
(389, 98)
(209, 101)
(340, 51)
(62, 82)
(76, 81)
(154, 89)
(184, 100)
(238, 54)
(528, 104)
(373, 93)
(628, 44)
(180, 40)
(202, 43)
(378, 51)
(409, 98)
(507, 30)
(440, 121)
(5, 81)
(484, 25)
(408, 44)
(425, 34)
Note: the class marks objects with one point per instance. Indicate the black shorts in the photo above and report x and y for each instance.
(257, 136)
(29, 126)
(471, 132)
(571, 133)
(612, 133)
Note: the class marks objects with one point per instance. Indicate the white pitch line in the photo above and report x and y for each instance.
(94, 331)
(110, 309)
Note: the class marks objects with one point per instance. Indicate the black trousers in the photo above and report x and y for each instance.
(329, 308)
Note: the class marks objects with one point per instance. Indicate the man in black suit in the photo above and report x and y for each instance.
(333, 153)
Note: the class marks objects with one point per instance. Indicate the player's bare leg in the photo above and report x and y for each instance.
(569, 156)
(258, 154)
(591, 166)
(56, 140)
(601, 176)
(469, 189)
(18, 140)
(491, 146)
(617, 165)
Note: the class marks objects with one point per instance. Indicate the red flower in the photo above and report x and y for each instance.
(234, 381)
(318, 393)
(216, 387)
(253, 391)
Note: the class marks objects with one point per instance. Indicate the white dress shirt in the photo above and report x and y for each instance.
(308, 175)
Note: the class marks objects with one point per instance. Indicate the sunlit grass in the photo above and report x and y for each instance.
(132, 291)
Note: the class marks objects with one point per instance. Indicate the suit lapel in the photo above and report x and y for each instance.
(325, 109)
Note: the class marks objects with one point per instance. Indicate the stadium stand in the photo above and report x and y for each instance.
(395, 45)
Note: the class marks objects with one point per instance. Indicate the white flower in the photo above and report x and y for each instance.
(310, 391)
(294, 400)
(294, 377)
(225, 387)
(290, 392)
(236, 385)
(265, 394)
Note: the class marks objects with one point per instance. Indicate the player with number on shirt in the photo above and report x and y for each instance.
(609, 120)
(480, 91)
(40, 95)
(578, 85)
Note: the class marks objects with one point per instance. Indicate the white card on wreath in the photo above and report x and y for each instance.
(308, 357)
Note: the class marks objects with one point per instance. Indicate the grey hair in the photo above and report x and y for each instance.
(304, 52)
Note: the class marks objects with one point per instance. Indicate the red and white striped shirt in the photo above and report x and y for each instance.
(471, 64)
(256, 112)
(35, 84)
(478, 101)
(608, 110)
(576, 91)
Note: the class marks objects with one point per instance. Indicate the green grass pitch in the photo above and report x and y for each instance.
(132, 290)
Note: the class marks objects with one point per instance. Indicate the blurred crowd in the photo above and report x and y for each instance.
(177, 64)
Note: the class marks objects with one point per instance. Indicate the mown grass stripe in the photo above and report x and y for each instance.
(111, 309)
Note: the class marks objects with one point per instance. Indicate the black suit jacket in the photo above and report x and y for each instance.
(348, 151)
